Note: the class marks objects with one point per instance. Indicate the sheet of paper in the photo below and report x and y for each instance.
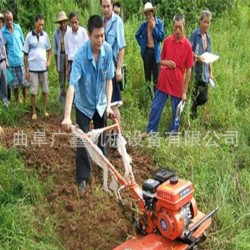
(179, 109)
(209, 57)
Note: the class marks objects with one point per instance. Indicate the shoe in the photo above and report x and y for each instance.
(144, 135)
(46, 114)
(82, 186)
(34, 117)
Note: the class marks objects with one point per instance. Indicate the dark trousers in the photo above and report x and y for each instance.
(151, 67)
(62, 78)
(9, 93)
(83, 166)
(200, 95)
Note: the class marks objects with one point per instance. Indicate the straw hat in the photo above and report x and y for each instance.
(148, 7)
(61, 17)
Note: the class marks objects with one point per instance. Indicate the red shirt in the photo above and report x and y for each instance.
(170, 81)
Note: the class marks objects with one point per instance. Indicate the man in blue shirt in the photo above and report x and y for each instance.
(114, 35)
(13, 35)
(149, 36)
(201, 42)
(91, 82)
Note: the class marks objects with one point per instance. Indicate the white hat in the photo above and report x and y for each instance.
(61, 17)
(148, 7)
(1, 16)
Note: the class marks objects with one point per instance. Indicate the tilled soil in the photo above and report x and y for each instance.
(95, 220)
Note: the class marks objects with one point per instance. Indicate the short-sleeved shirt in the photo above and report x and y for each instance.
(89, 78)
(36, 47)
(201, 69)
(14, 45)
(114, 35)
(73, 40)
(2, 44)
(170, 81)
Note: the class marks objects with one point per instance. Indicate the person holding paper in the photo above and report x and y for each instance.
(201, 43)
(176, 64)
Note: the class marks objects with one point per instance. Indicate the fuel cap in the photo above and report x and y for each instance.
(174, 180)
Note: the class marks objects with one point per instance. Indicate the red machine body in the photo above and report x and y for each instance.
(175, 207)
(155, 241)
(167, 217)
(171, 212)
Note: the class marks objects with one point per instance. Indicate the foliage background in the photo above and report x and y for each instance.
(221, 174)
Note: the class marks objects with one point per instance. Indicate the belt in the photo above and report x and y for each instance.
(149, 48)
(1, 60)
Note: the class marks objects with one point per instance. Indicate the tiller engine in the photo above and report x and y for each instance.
(165, 215)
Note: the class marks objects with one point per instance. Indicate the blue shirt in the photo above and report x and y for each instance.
(201, 69)
(14, 45)
(89, 78)
(141, 37)
(114, 35)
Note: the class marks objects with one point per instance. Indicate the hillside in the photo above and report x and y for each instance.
(40, 207)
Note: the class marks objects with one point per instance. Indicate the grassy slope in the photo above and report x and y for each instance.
(22, 219)
(219, 171)
(220, 174)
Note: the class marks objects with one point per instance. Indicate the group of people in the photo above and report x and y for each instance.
(172, 66)
(11, 57)
(91, 61)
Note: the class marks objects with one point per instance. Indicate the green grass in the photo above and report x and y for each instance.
(220, 174)
(22, 199)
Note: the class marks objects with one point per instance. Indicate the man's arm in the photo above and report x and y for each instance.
(210, 71)
(48, 58)
(186, 84)
(164, 62)
(169, 63)
(119, 64)
(158, 31)
(68, 106)
(138, 35)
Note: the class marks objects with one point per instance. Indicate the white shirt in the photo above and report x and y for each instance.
(36, 47)
(73, 40)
